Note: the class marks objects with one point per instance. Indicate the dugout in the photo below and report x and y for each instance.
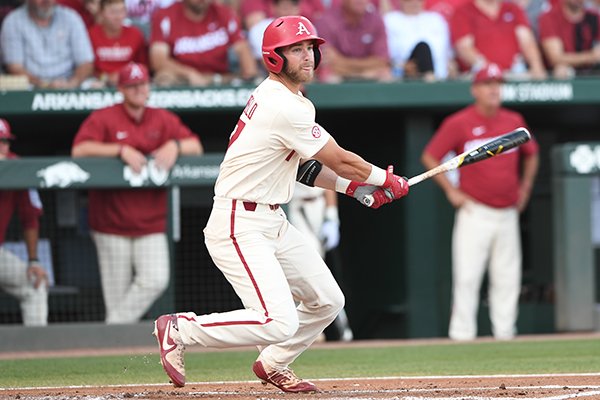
(395, 262)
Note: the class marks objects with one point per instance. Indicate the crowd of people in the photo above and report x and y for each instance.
(83, 43)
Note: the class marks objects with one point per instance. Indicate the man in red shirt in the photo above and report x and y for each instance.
(496, 31)
(115, 45)
(128, 226)
(28, 282)
(357, 46)
(255, 11)
(191, 41)
(488, 199)
(570, 38)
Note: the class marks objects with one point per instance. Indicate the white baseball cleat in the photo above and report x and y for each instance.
(171, 348)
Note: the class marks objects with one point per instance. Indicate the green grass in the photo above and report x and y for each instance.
(517, 357)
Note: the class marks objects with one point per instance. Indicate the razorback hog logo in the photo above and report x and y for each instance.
(302, 29)
(62, 174)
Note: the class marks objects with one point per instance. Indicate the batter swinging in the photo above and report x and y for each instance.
(270, 264)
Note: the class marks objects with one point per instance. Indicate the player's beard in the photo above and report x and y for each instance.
(299, 75)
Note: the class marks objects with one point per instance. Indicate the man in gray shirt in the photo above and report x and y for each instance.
(48, 43)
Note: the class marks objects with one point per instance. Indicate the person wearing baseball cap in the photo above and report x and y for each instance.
(27, 281)
(488, 199)
(5, 134)
(288, 293)
(128, 226)
(489, 73)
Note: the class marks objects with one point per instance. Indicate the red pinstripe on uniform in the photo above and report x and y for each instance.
(247, 268)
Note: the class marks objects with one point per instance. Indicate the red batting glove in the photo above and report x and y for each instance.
(379, 198)
(396, 186)
(360, 190)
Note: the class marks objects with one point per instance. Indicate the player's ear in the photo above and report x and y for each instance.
(280, 53)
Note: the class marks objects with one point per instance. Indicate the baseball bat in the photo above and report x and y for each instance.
(491, 149)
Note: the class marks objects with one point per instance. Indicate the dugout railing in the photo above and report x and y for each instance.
(69, 255)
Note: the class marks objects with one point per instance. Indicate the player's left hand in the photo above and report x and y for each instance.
(396, 186)
(37, 274)
(330, 234)
(166, 155)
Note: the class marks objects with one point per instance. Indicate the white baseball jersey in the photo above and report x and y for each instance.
(276, 129)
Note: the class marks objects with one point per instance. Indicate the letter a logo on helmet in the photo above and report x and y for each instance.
(302, 29)
(285, 31)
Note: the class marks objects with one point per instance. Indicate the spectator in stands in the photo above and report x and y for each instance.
(570, 38)
(281, 8)
(27, 281)
(255, 11)
(488, 200)
(356, 43)
(128, 226)
(139, 12)
(496, 31)
(115, 45)
(444, 7)
(418, 42)
(47, 43)
(87, 9)
(191, 41)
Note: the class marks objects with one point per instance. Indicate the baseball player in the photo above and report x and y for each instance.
(488, 200)
(28, 282)
(270, 264)
(128, 226)
(314, 212)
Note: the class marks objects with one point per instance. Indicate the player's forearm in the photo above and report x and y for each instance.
(248, 67)
(160, 60)
(82, 72)
(30, 236)
(190, 146)
(17, 69)
(530, 50)
(530, 169)
(574, 59)
(468, 54)
(96, 149)
(355, 67)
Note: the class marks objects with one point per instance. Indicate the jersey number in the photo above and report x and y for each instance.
(236, 132)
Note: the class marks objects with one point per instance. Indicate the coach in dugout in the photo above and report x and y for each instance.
(488, 200)
(128, 226)
(27, 281)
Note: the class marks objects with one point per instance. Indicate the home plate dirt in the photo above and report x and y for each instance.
(506, 387)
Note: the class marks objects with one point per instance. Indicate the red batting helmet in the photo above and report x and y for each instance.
(285, 31)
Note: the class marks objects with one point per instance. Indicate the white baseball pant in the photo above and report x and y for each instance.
(485, 237)
(14, 280)
(134, 272)
(271, 266)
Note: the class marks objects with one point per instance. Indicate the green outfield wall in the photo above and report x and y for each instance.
(394, 262)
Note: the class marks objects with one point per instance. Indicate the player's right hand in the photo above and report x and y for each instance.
(396, 186)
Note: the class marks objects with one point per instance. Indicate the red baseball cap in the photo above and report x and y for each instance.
(491, 72)
(133, 74)
(5, 130)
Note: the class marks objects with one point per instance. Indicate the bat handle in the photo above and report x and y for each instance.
(368, 200)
